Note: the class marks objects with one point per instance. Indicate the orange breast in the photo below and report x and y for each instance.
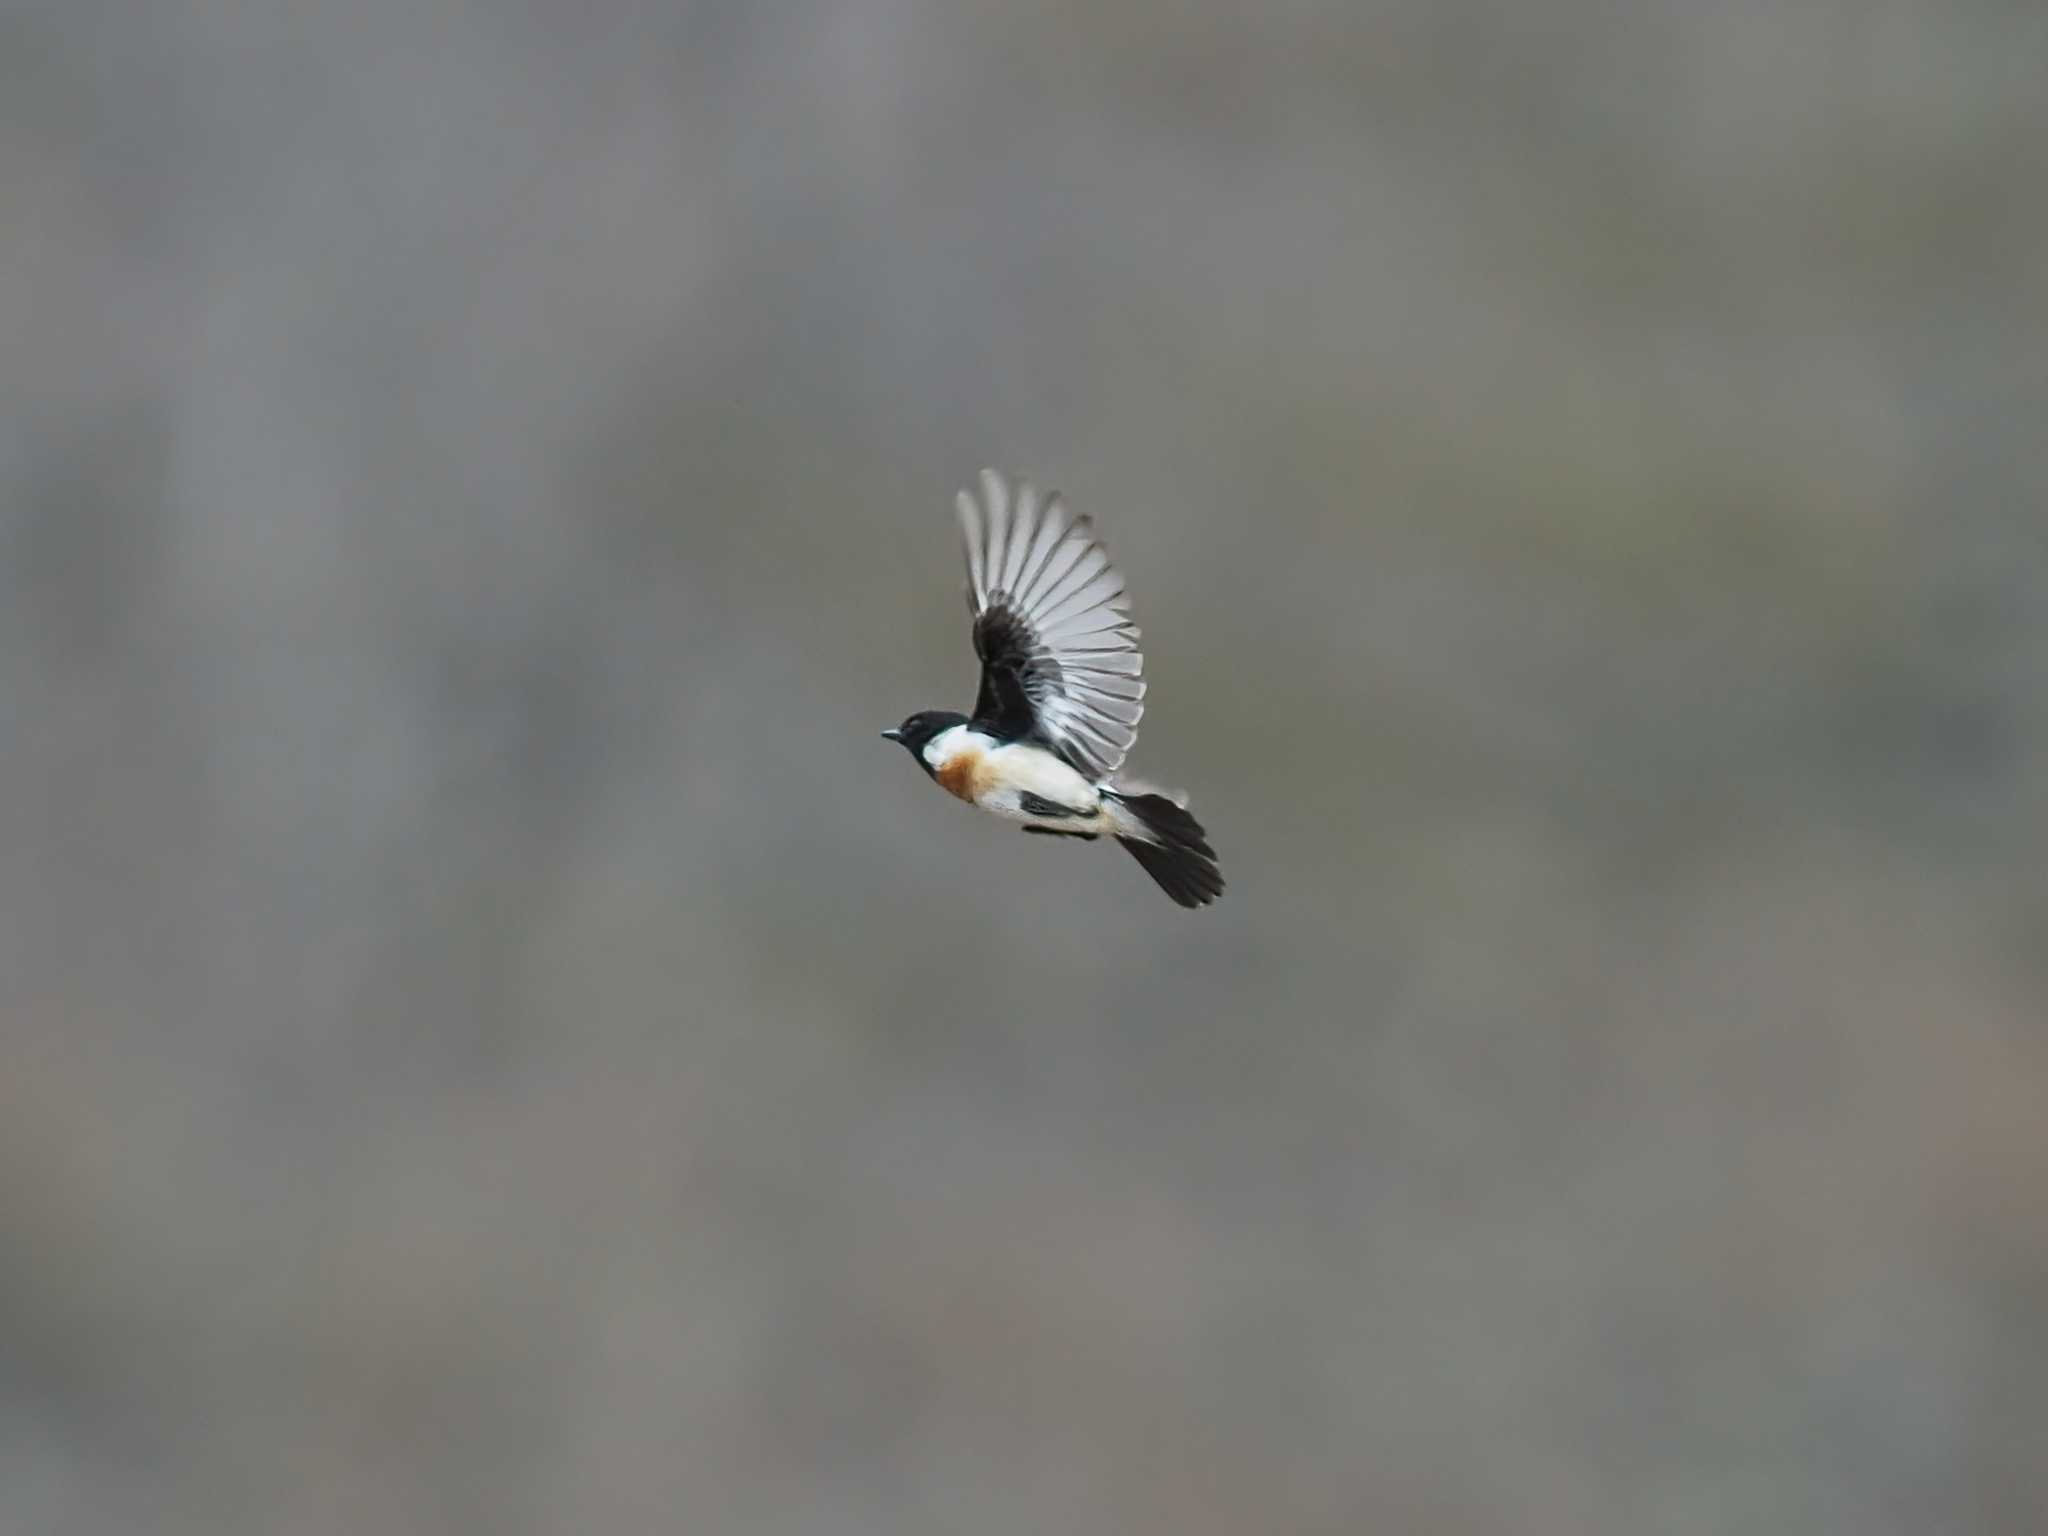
(961, 774)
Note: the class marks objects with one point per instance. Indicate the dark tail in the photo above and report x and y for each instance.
(1171, 846)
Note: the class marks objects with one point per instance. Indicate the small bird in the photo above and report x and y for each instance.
(1061, 694)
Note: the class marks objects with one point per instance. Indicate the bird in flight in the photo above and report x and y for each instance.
(1061, 693)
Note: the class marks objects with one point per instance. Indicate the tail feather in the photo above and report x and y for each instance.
(1169, 844)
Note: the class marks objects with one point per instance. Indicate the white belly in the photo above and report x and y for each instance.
(1016, 771)
(997, 777)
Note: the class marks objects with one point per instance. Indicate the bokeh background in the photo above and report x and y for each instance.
(492, 1040)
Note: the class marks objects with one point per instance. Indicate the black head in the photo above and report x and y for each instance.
(921, 728)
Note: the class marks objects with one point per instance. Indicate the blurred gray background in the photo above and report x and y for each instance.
(492, 1040)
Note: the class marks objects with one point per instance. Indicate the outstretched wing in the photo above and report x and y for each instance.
(1059, 654)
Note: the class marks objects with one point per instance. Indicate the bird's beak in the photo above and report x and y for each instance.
(892, 734)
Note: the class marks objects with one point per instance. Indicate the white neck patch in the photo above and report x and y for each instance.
(953, 740)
